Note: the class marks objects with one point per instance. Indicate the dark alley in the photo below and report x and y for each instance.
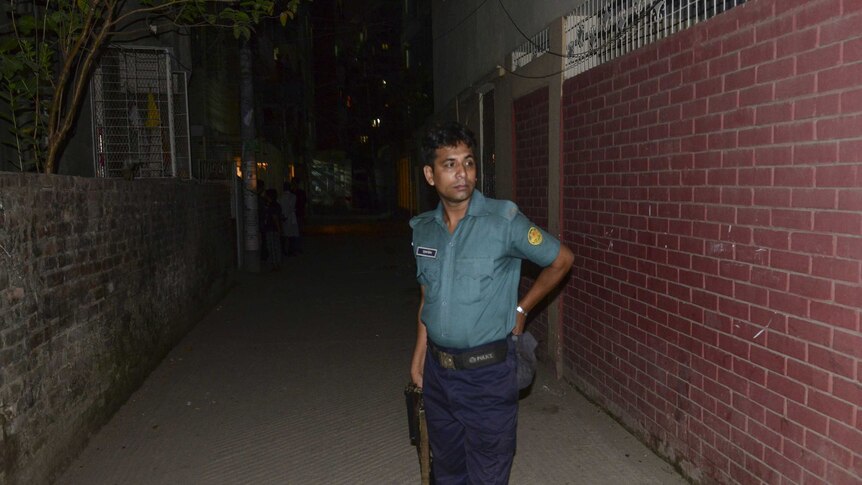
(297, 377)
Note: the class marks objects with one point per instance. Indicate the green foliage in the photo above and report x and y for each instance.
(25, 73)
(47, 57)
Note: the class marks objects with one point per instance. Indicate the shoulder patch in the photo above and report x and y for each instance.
(423, 217)
(534, 236)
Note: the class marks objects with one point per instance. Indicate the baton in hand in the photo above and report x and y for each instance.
(418, 429)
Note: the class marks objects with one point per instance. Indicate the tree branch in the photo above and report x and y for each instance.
(56, 138)
(165, 6)
(66, 71)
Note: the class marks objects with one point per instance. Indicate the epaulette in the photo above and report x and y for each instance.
(421, 218)
(503, 208)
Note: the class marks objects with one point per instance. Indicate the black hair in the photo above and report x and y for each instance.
(445, 135)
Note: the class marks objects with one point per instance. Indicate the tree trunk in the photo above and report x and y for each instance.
(251, 259)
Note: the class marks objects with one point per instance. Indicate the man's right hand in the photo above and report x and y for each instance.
(416, 377)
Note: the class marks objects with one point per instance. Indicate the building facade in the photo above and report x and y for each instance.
(701, 160)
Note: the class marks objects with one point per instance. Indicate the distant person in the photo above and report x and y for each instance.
(290, 229)
(272, 228)
(468, 256)
(301, 206)
(260, 190)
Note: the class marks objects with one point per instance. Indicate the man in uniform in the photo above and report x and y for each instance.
(468, 254)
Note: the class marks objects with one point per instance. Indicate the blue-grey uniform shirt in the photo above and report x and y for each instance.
(471, 276)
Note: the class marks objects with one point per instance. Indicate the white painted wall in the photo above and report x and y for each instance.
(472, 37)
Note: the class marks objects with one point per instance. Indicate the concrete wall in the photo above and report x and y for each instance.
(528, 124)
(473, 37)
(712, 194)
(98, 280)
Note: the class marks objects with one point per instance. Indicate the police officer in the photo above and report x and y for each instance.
(468, 255)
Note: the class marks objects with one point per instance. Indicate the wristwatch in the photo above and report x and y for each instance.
(520, 310)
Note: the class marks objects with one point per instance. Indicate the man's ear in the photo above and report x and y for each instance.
(429, 174)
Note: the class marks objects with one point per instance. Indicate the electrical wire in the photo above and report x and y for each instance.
(531, 41)
(583, 55)
(452, 29)
(631, 25)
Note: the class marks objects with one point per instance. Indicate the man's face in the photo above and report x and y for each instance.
(453, 174)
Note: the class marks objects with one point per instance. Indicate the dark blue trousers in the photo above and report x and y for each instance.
(472, 417)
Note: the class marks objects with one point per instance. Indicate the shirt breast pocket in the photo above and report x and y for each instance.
(428, 275)
(473, 276)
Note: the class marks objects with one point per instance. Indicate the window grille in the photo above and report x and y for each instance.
(140, 114)
(529, 50)
(600, 30)
(182, 138)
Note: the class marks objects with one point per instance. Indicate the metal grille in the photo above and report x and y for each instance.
(600, 30)
(529, 50)
(214, 169)
(134, 115)
(221, 161)
(182, 140)
(331, 184)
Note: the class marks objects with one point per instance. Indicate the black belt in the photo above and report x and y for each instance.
(492, 353)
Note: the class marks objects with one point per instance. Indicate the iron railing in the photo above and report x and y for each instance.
(533, 48)
(600, 30)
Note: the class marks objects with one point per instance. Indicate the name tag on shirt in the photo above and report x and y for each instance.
(426, 252)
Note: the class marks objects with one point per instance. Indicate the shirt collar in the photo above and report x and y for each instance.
(476, 207)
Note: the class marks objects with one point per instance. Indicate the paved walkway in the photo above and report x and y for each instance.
(297, 378)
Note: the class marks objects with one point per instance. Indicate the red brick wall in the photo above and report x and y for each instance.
(530, 114)
(713, 197)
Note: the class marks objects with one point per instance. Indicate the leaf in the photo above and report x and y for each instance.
(57, 19)
(228, 14)
(26, 24)
(11, 66)
(8, 43)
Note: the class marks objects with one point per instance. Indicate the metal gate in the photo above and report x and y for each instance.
(140, 114)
